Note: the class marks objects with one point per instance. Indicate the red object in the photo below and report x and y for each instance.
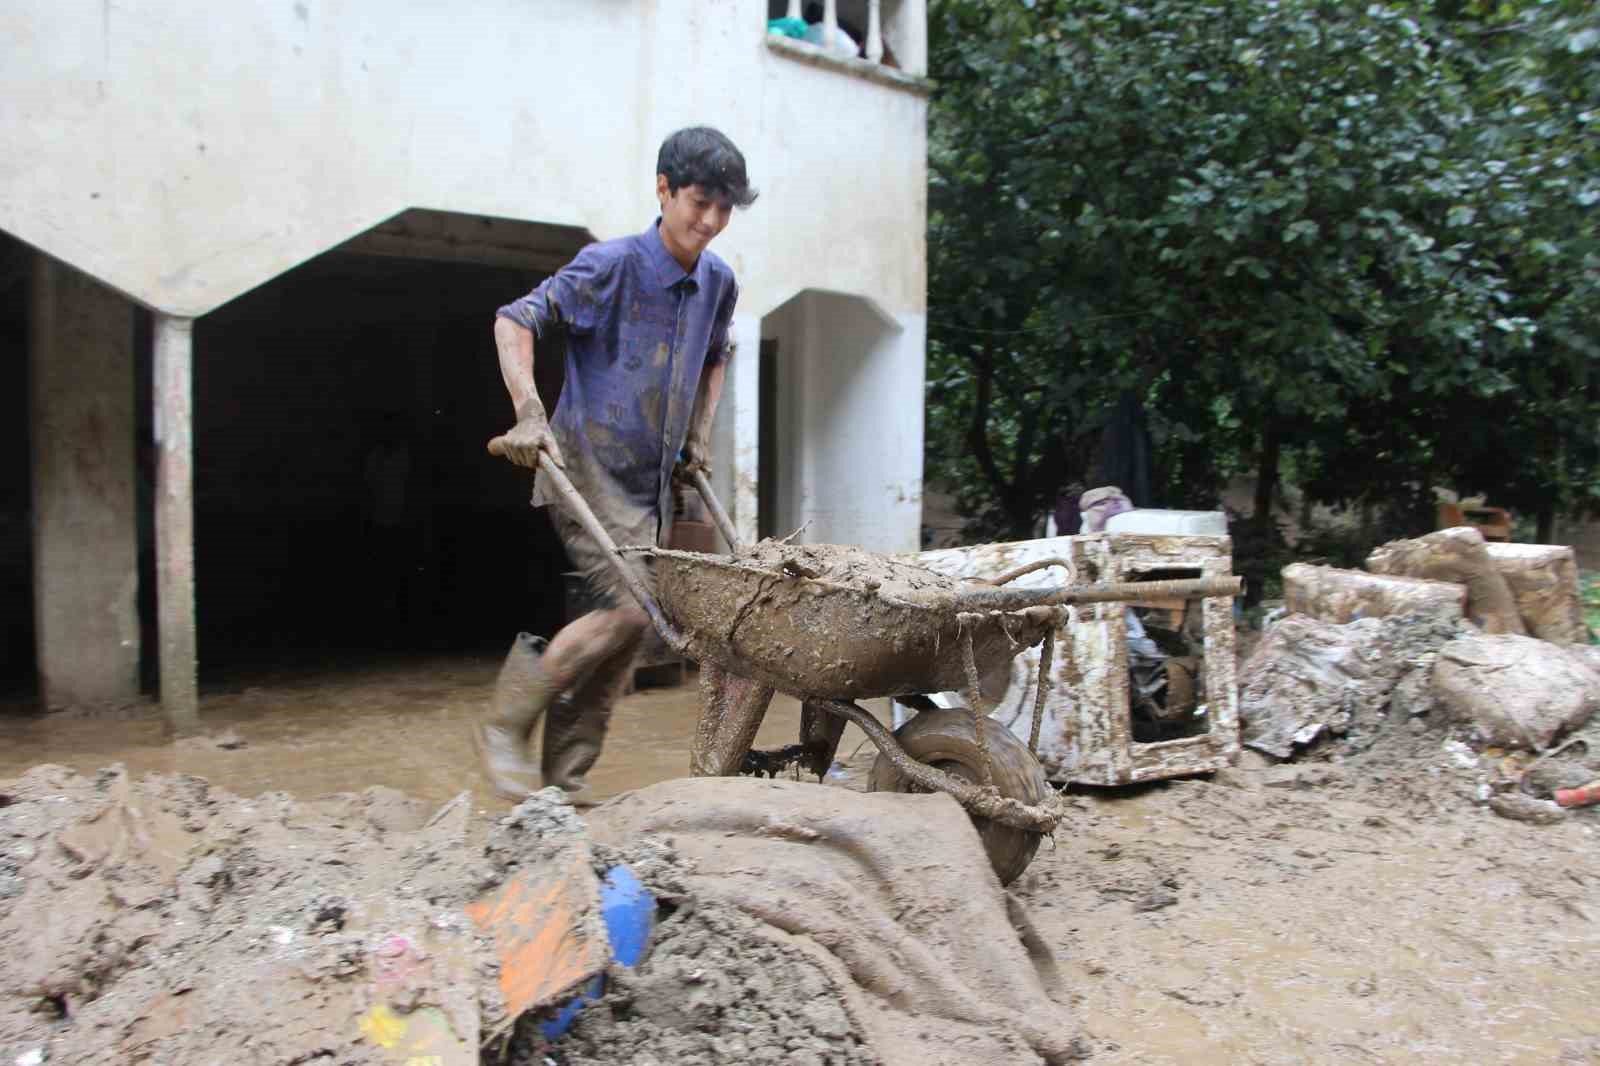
(1579, 797)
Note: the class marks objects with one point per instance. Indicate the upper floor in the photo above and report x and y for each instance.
(185, 152)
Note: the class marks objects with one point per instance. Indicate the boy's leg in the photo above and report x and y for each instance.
(586, 664)
(575, 727)
(521, 694)
(534, 674)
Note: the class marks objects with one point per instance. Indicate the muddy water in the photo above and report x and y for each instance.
(400, 724)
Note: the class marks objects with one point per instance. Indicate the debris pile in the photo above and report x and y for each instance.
(875, 918)
(165, 921)
(1461, 655)
(162, 920)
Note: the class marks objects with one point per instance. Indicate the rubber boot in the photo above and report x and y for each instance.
(521, 694)
(573, 737)
(575, 729)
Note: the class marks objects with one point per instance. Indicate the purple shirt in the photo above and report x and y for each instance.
(639, 332)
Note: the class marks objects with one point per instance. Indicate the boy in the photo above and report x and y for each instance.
(647, 320)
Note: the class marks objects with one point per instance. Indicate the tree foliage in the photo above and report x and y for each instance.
(1359, 238)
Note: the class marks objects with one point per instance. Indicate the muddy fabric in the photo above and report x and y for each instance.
(640, 330)
(1339, 596)
(715, 986)
(891, 895)
(1308, 679)
(1457, 555)
(1516, 691)
(1544, 582)
(629, 526)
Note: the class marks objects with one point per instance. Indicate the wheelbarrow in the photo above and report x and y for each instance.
(766, 619)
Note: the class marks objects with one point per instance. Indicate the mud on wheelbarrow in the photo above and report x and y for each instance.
(831, 625)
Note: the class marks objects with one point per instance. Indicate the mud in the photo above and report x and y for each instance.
(1364, 904)
(833, 621)
(717, 986)
(842, 564)
(890, 895)
(164, 921)
(403, 725)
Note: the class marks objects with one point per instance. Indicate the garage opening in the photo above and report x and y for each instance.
(16, 550)
(344, 501)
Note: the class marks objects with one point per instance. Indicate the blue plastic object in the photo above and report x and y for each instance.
(629, 911)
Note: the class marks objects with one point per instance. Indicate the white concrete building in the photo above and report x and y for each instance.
(253, 178)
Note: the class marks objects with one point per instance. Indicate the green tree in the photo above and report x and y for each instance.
(1291, 228)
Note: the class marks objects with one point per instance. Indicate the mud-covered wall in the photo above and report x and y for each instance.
(343, 496)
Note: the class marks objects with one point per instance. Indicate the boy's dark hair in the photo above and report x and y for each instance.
(705, 157)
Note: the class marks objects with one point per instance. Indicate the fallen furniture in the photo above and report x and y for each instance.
(1119, 710)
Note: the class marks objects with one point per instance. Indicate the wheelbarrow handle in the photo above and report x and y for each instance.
(575, 504)
(1118, 592)
(718, 515)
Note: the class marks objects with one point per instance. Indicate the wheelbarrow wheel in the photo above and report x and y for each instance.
(945, 739)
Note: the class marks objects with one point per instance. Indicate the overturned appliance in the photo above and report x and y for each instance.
(1138, 690)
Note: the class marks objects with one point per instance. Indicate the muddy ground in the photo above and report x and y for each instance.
(1368, 909)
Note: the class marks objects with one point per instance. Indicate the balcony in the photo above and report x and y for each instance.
(881, 40)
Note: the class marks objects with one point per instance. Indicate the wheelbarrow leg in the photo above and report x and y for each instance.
(731, 711)
(820, 733)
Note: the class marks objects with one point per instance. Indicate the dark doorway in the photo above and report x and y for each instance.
(17, 662)
(767, 441)
(344, 500)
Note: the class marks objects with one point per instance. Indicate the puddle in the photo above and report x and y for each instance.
(404, 725)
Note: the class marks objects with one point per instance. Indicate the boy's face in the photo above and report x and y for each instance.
(691, 218)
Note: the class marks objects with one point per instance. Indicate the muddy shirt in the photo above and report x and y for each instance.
(639, 332)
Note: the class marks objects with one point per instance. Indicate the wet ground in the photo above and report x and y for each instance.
(403, 724)
(1348, 913)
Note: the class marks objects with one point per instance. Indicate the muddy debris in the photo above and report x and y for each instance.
(1309, 679)
(1515, 691)
(1520, 808)
(140, 912)
(842, 564)
(884, 900)
(165, 921)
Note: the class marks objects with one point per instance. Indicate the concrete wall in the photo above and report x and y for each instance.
(849, 465)
(185, 152)
(81, 421)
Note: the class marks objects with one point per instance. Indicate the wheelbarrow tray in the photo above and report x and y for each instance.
(823, 638)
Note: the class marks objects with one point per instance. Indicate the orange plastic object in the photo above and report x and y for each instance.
(1493, 522)
(547, 932)
(1579, 797)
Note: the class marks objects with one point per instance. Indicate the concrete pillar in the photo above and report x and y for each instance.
(735, 433)
(174, 438)
(81, 431)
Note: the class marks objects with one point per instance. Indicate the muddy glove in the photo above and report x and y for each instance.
(530, 436)
(696, 456)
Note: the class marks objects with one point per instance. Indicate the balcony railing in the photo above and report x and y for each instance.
(827, 42)
(831, 34)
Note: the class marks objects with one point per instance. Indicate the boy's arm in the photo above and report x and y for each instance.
(697, 446)
(567, 300)
(531, 434)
